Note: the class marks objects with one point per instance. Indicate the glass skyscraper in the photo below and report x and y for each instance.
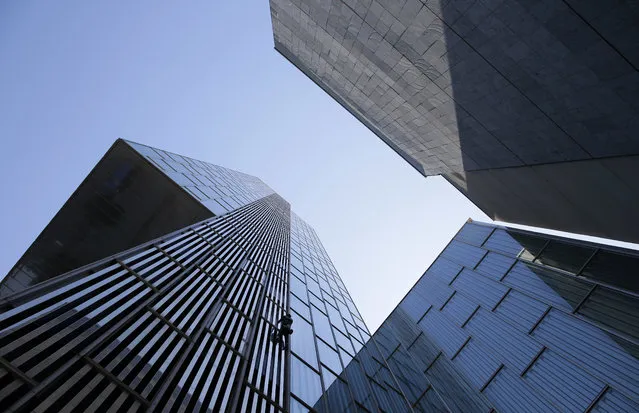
(183, 270)
(509, 321)
(162, 283)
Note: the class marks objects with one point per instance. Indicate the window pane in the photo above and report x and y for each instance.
(344, 341)
(329, 357)
(615, 269)
(297, 407)
(298, 288)
(314, 287)
(473, 234)
(296, 262)
(305, 383)
(300, 307)
(316, 301)
(322, 326)
(302, 341)
(336, 318)
(464, 254)
(564, 256)
(613, 309)
(513, 243)
(560, 290)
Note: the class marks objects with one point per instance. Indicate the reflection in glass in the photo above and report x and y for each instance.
(305, 383)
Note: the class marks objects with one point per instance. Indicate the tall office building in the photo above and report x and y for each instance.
(510, 321)
(530, 108)
(158, 287)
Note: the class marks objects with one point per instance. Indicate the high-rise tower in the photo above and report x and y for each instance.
(159, 287)
(529, 108)
(510, 321)
(503, 320)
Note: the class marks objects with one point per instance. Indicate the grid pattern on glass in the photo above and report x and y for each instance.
(327, 325)
(181, 322)
(219, 189)
(520, 333)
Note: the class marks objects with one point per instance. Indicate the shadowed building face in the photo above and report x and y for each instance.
(529, 108)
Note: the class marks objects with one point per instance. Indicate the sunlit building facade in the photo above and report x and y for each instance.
(509, 321)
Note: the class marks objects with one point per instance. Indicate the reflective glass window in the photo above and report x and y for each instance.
(324, 284)
(583, 343)
(314, 287)
(613, 309)
(302, 341)
(322, 325)
(346, 357)
(344, 341)
(297, 273)
(337, 396)
(565, 256)
(430, 291)
(568, 386)
(561, 290)
(309, 273)
(495, 265)
(430, 402)
(329, 299)
(613, 268)
(444, 270)
(298, 288)
(300, 307)
(613, 401)
(510, 346)
(511, 394)
(514, 243)
(305, 383)
(357, 345)
(296, 261)
(297, 407)
(364, 334)
(317, 302)
(346, 314)
(329, 357)
(521, 310)
(474, 234)
(327, 377)
(459, 309)
(414, 306)
(464, 254)
(335, 317)
(482, 290)
(443, 331)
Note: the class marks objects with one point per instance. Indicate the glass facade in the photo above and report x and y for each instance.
(180, 323)
(329, 330)
(511, 321)
(126, 200)
(503, 320)
(184, 322)
(219, 189)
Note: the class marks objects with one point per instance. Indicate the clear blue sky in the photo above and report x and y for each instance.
(201, 78)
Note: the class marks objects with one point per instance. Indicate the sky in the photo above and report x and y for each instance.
(204, 81)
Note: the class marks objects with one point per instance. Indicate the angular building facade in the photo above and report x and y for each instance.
(511, 321)
(503, 320)
(175, 319)
(127, 200)
(530, 108)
